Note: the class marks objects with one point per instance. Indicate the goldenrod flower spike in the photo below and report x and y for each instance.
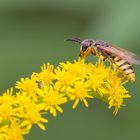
(46, 91)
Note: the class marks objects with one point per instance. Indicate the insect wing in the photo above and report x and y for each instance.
(122, 53)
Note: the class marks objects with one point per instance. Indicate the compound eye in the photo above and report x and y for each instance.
(84, 48)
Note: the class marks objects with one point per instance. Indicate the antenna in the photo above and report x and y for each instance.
(74, 40)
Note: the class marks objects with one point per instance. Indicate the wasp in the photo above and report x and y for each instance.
(120, 58)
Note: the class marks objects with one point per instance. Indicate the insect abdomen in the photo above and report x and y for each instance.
(125, 67)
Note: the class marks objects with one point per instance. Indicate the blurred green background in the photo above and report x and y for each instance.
(34, 32)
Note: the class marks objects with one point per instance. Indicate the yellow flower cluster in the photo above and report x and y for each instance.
(46, 91)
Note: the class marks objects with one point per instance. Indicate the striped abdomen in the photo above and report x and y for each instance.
(125, 67)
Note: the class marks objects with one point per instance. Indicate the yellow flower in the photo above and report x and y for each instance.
(7, 101)
(7, 97)
(52, 99)
(46, 76)
(64, 79)
(27, 85)
(78, 69)
(23, 100)
(14, 131)
(117, 93)
(31, 114)
(3, 132)
(79, 92)
(98, 74)
(6, 112)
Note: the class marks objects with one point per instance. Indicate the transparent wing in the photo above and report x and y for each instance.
(122, 53)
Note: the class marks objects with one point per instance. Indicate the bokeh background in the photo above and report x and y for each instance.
(34, 32)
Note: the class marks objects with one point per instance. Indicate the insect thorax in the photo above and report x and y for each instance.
(101, 43)
(97, 51)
